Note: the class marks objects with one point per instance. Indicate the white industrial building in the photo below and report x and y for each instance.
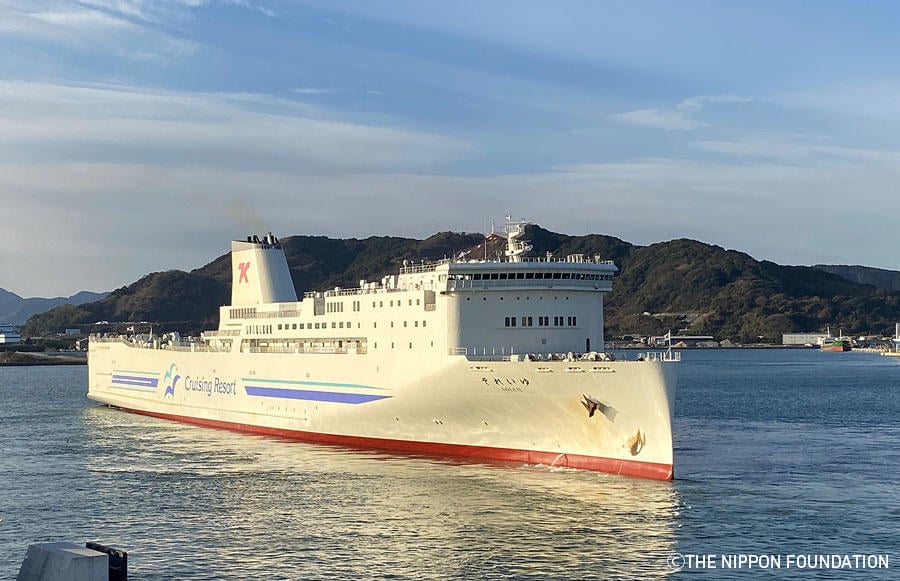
(803, 338)
(8, 335)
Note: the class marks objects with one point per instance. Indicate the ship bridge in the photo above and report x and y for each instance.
(575, 271)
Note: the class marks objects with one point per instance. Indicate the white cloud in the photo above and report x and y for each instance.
(672, 119)
(85, 19)
(145, 217)
(794, 152)
(108, 123)
(680, 117)
(311, 91)
(125, 33)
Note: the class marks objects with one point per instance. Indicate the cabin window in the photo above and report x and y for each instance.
(476, 276)
(520, 275)
(301, 325)
(423, 323)
(494, 276)
(566, 275)
(502, 276)
(404, 324)
(417, 323)
(529, 275)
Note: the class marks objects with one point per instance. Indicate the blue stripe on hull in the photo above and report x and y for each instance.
(134, 380)
(351, 398)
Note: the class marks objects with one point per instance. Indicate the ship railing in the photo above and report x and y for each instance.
(360, 350)
(421, 268)
(156, 344)
(572, 258)
(557, 283)
(510, 354)
(222, 333)
(344, 292)
(663, 356)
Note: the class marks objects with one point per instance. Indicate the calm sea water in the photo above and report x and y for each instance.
(777, 453)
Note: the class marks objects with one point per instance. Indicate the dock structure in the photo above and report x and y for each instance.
(63, 561)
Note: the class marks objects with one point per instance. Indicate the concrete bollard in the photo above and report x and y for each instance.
(63, 561)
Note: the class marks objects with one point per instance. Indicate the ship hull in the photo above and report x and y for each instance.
(529, 412)
(837, 346)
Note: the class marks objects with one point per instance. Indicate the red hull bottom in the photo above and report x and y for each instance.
(649, 470)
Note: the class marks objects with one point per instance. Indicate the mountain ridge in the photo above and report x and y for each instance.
(682, 285)
(16, 310)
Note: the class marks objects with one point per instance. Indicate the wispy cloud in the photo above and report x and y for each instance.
(111, 123)
(311, 91)
(90, 28)
(679, 117)
(793, 152)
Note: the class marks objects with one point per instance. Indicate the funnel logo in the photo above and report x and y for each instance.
(243, 267)
(170, 380)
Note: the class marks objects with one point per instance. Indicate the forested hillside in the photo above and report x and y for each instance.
(683, 285)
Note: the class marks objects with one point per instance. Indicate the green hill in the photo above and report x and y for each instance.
(879, 277)
(683, 285)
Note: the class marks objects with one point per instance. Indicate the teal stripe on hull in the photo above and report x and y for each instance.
(312, 383)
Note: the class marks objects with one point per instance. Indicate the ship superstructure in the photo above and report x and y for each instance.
(497, 359)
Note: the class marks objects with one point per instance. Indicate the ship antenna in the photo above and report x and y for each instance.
(515, 248)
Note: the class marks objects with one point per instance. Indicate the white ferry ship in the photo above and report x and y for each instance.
(497, 360)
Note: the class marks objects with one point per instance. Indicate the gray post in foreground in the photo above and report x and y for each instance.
(63, 561)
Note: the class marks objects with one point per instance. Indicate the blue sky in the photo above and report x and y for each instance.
(143, 135)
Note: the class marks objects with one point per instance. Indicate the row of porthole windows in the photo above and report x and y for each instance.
(377, 304)
(258, 329)
(539, 276)
(405, 324)
(334, 325)
(295, 326)
(517, 298)
(542, 321)
(393, 345)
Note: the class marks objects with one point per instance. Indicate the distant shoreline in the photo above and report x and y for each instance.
(24, 359)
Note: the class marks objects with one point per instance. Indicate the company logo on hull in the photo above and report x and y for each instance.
(170, 379)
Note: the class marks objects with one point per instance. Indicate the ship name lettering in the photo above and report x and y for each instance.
(210, 386)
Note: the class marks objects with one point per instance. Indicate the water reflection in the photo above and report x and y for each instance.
(197, 503)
